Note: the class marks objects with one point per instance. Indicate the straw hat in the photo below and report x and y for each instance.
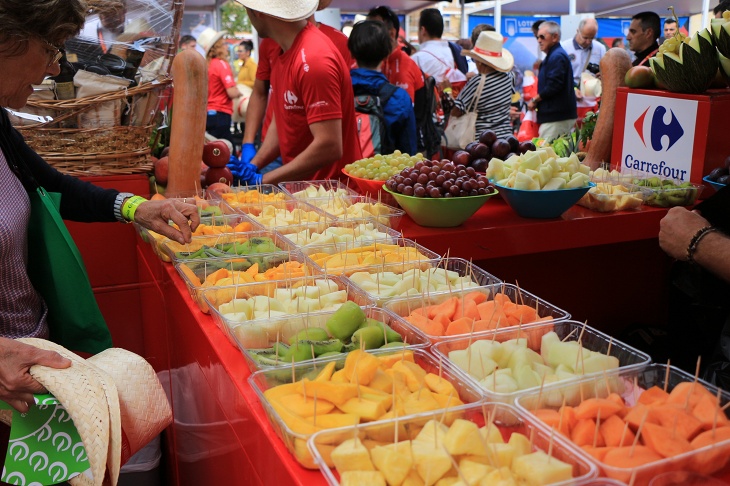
(291, 10)
(208, 38)
(489, 50)
(115, 400)
(590, 85)
(323, 4)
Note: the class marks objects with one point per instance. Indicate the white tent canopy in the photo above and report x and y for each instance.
(605, 8)
(401, 6)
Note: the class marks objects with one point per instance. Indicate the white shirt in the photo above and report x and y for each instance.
(579, 59)
(435, 58)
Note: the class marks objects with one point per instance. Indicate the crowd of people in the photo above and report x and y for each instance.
(322, 133)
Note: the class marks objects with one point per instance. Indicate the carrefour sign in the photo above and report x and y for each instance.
(659, 136)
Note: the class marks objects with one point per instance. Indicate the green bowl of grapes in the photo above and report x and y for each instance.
(441, 203)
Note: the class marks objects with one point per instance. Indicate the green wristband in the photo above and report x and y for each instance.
(130, 207)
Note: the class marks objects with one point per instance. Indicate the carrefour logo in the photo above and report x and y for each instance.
(662, 135)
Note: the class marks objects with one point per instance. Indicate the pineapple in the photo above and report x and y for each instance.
(432, 462)
(538, 468)
(464, 437)
(352, 455)
(474, 472)
(362, 478)
(393, 460)
(431, 429)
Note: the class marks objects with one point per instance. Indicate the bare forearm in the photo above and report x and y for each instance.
(713, 254)
(255, 111)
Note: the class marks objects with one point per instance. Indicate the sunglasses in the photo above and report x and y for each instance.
(55, 53)
(541, 36)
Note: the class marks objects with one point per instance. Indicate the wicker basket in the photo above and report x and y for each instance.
(124, 147)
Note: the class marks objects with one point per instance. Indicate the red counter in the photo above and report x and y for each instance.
(221, 434)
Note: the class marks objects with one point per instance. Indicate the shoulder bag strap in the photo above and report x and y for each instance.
(475, 101)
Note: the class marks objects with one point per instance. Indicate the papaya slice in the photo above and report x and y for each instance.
(622, 457)
(612, 430)
(663, 441)
(589, 408)
(653, 395)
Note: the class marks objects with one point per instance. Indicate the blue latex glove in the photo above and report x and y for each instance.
(244, 172)
(248, 151)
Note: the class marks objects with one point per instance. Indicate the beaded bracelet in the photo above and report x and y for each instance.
(130, 207)
(692, 247)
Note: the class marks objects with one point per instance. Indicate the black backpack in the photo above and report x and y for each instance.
(372, 131)
(429, 118)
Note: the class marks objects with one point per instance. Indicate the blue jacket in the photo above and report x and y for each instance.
(555, 86)
(399, 117)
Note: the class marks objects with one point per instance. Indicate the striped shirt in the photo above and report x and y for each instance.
(493, 105)
(22, 311)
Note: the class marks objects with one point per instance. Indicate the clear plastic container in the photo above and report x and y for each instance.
(412, 338)
(209, 245)
(507, 419)
(405, 306)
(280, 214)
(338, 234)
(592, 339)
(260, 331)
(431, 278)
(195, 273)
(630, 384)
(296, 442)
(326, 259)
(608, 197)
(321, 189)
(263, 193)
(348, 208)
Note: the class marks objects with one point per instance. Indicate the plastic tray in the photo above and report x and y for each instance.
(169, 248)
(332, 187)
(507, 419)
(404, 306)
(715, 185)
(336, 207)
(297, 442)
(262, 193)
(398, 267)
(631, 199)
(205, 267)
(318, 234)
(280, 214)
(413, 288)
(592, 339)
(413, 338)
(623, 383)
(261, 332)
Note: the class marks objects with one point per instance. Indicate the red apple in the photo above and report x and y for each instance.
(501, 149)
(488, 137)
(482, 151)
(470, 147)
(162, 167)
(461, 157)
(218, 174)
(218, 188)
(513, 143)
(479, 165)
(216, 154)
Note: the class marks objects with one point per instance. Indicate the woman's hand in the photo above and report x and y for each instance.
(676, 230)
(155, 216)
(456, 112)
(17, 386)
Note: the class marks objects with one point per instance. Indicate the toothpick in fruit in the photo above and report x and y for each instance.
(550, 444)
(638, 433)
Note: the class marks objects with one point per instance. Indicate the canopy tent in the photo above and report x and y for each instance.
(601, 8)
(354, 6)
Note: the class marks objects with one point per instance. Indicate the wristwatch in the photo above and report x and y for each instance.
(118, 203)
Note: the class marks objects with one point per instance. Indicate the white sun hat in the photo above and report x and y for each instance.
(115, 400)
(489, 50)
(291, 10)
(208, 38)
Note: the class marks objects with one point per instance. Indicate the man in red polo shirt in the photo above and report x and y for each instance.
(399, 68)
(258, 108)
(312, 95)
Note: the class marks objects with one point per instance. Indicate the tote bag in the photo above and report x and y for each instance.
(58, 273)
(462, 130)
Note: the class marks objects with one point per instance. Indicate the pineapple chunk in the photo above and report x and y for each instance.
(362, 478)
(352, 455)
(464, 437)
(520, 443)
(538, 468)
(393, 460)
(499, 477)
(431, 429)
(431, 461)
(473, 471)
